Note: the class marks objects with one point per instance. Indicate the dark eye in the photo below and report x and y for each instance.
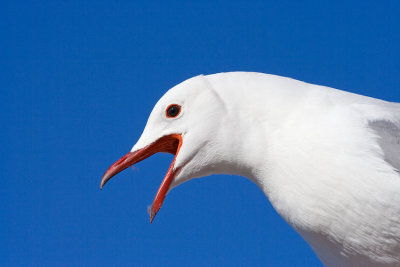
(173, 111)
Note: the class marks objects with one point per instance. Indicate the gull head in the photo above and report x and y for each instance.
(186, 122)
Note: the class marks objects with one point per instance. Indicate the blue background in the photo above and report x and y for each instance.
(78, 80)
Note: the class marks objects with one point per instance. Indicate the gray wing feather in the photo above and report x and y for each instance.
(389, 140)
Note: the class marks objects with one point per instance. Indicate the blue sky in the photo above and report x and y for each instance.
(79, 79)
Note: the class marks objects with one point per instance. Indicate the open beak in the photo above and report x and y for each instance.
(169, 144)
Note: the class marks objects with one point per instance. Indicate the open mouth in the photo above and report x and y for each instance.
(168, 144)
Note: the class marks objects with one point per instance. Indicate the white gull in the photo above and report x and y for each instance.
(327, 160)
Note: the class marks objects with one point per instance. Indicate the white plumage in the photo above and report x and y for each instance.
(327, 160)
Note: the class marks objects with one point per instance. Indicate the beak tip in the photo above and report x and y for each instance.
(102, 183)
(104, 180)
(152, 214)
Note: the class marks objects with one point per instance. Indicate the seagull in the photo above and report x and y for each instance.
(327, 160)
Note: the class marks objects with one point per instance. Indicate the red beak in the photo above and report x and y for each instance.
(169, 144)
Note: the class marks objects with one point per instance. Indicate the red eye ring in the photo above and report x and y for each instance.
(173, 111)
